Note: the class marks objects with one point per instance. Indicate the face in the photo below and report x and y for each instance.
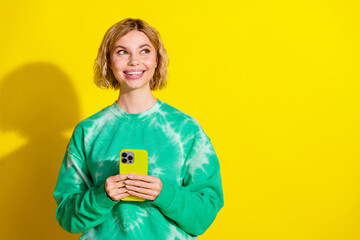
(133, 61)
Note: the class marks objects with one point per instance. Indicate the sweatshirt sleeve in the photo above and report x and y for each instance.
(195, 204)
(81, 205)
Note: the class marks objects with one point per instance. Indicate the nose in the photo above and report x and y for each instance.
(133, 60)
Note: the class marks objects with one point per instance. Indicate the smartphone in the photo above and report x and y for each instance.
(133, 161)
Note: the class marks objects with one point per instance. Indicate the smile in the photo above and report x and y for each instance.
(134, 73)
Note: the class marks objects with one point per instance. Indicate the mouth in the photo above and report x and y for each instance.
(134, 73)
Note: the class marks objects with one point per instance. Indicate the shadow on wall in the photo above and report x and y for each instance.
(38, 101)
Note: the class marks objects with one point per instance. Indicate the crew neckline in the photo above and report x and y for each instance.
(135, 116)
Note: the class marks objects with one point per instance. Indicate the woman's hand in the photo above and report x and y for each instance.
(143, 186)
(115, 187)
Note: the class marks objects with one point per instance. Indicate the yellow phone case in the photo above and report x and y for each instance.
(133, 161)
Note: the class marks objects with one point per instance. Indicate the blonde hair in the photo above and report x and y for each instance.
(104, 77)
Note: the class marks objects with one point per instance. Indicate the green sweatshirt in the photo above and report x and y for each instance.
(180, 154)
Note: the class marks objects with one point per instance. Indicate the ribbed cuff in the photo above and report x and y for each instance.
(166, 196)
(102, 198)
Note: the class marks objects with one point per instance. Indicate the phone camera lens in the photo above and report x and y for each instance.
(123, 160)
(123, 154)
(130, 157)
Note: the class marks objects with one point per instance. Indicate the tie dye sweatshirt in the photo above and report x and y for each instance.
(179, 153)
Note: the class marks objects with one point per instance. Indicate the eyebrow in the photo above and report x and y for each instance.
(144, 45)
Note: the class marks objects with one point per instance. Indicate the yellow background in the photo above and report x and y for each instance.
(275, 85)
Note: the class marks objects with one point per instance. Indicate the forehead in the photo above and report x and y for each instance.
(133, 38)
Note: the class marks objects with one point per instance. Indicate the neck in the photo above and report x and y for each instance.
(135, 101)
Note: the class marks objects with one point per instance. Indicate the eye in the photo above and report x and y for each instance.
(145, 50)
(121, 52)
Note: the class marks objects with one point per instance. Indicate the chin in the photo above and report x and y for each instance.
(135, 86)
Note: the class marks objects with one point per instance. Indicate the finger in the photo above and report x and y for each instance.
(119, 177)
(110, 181)
(144, 178)
(117, 191)
(140, 195)
(116, 185)
(121, 196)
(142, 190)
(139, 184)
(117, 194)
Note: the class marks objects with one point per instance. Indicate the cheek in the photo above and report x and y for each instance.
(117, 66)
(118, 62)
(116, 69)
(152, 62)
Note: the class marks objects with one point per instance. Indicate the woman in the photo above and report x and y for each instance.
(182, 189)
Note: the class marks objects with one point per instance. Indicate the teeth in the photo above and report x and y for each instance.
(134, 73)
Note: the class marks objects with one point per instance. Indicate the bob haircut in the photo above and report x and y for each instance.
(104, 77)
